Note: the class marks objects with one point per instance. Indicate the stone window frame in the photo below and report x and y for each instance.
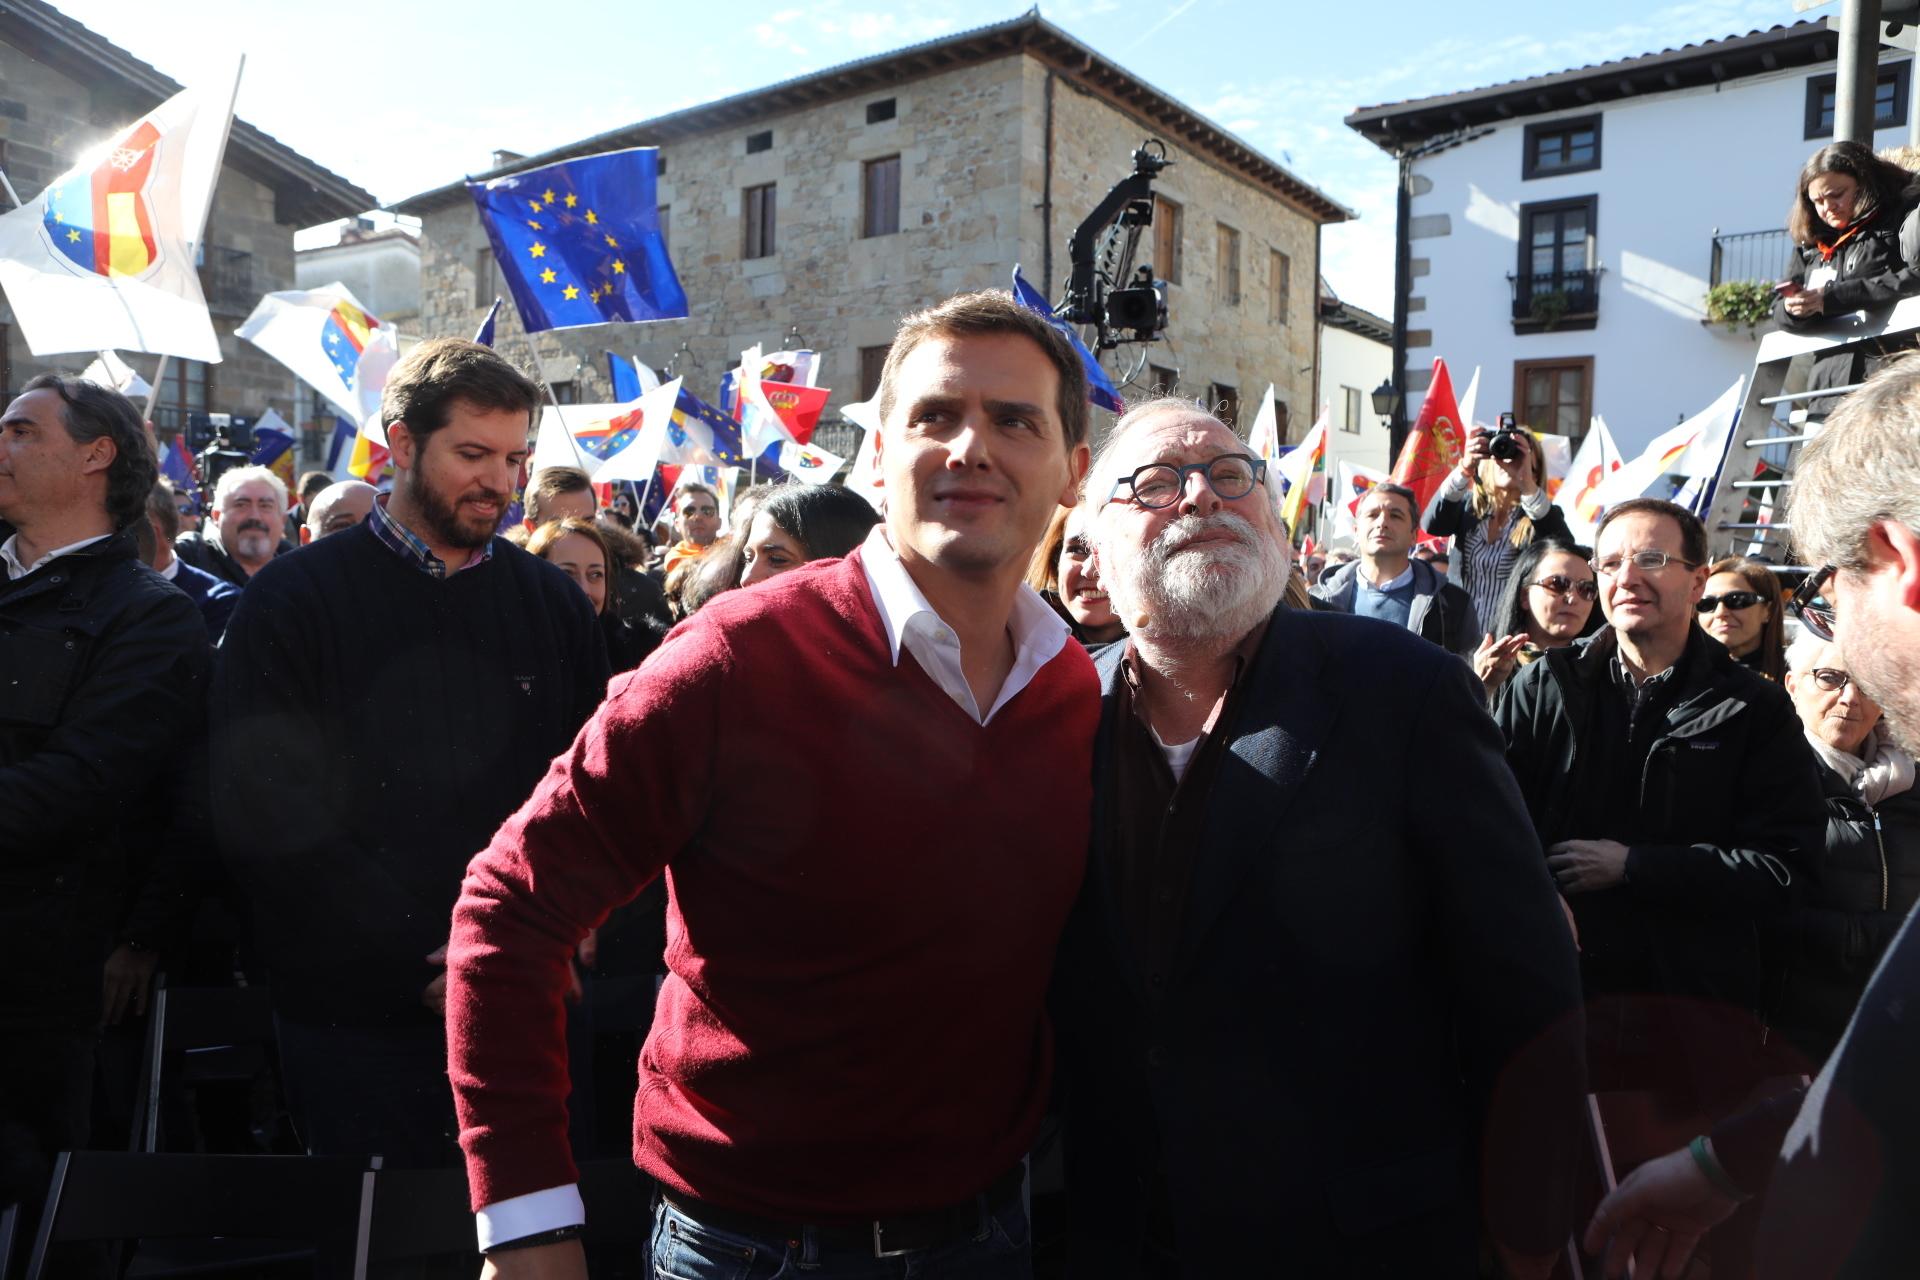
(760, 220)
(1226, 244)
(1279, 286)
(872, 361)
(758, 142)
(1223, 402)
(882, 110)
(876, 219)
(1167, 219)
(1537, 134)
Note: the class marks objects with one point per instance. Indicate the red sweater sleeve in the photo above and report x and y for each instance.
(591, 836)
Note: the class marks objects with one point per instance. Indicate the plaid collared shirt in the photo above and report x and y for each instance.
(404, 543)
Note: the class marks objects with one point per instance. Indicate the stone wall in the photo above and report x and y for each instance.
(973, 147)
(1212, 341)
(46, 122)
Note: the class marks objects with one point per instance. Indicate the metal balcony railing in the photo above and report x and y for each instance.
(1750, 255)
(1560, 295)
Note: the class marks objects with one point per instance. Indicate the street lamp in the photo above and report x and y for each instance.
(1385, 399)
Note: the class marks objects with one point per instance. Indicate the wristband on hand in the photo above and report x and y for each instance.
(556, 1236)
(1703, 1156)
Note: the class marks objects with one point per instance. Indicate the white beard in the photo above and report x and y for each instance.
(1217, 592)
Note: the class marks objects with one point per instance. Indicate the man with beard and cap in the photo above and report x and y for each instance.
(1839, 1162)
(382, 700)
(1306, 999)
(249, 509)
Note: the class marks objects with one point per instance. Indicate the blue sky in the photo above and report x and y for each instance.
(400, 97)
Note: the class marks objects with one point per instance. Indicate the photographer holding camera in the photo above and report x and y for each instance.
(1492, 506)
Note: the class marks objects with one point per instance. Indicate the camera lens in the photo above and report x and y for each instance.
(1504, 447)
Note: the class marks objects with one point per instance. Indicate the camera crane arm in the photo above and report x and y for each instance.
(1096, 297)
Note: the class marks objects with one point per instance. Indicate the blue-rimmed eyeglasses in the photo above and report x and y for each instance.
(1809, 605)
(1160, 484)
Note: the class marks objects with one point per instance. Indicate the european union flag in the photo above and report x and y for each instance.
(689, 410)
(1099, 386)
(579, 242)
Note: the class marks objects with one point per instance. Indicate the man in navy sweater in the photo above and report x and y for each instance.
(382, 700)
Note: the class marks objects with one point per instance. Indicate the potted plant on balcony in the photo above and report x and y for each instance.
(1737, 303)
(1550, 307)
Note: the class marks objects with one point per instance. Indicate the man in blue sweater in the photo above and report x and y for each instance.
(383, 699)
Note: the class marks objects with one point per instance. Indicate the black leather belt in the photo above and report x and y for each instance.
(886, 1237)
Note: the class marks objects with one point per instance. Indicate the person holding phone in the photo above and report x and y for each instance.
(1849, 208)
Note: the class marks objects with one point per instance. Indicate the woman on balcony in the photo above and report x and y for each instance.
(1845, 223)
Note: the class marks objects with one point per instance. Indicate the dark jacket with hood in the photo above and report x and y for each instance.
(1441, 612)
(1724, 815)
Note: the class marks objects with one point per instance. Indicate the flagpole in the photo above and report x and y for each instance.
(200, 228)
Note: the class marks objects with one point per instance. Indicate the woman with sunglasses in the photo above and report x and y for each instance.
(1549, 601)
(1743, 608)
(1857, 894)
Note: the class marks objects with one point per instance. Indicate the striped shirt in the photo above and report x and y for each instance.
(1486, 560)
(408, 545)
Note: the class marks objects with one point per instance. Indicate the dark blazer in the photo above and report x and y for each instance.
(1375, 992)
(214, 597)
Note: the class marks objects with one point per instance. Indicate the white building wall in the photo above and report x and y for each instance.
(1349, 360)
(383, 273)
(1675, 168)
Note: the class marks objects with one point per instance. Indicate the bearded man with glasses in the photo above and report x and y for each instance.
(1678, 802)
(1295, 1009)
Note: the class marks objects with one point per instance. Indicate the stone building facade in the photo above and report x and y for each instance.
(998, 143)
(64, 89)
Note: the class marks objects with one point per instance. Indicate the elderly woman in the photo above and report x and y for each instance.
(1743, 608)
(1493, 508)
(1869, 874)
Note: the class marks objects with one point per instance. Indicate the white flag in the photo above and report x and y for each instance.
(321, 334)
(809, 462)
(103, 258)
(1467, 402)
(637, 460)
(554, 445)
(761, 426)
(1351, 482)
(1264, 439)
(1694, 448)
(864, 478)
(1597, 458)
(109, 370)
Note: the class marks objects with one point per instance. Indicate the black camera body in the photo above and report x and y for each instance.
(1505, 444)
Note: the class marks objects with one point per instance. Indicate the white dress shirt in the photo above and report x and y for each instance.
(911, 624)
(10, 554)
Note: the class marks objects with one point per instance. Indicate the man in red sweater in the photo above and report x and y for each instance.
(867, 784)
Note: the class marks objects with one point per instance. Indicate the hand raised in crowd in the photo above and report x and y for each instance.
(566, 1260)
(1479, 441)
(128, 980)
(435, 996)
(1582, 866)
(1657, 1217)
(1495, 659)
(1521, 468)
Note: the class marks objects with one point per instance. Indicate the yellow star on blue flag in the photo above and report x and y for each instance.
(594, 254)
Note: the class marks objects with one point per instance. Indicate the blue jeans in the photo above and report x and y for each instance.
(686, 1249)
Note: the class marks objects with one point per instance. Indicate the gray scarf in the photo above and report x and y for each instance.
(1880, 771)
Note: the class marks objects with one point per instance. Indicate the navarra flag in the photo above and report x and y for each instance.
(103, 258)
(273, 446)
(579, 242)
(1437, 442)
(1306, 463)
(320, 334)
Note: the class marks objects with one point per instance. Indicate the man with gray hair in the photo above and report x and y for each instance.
(244, 534)
(336, 507)
(1245, 1052)
(1841, 1191)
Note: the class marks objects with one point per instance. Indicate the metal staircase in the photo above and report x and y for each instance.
(1746, 511)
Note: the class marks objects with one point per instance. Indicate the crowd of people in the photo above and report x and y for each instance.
(1308, 909)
